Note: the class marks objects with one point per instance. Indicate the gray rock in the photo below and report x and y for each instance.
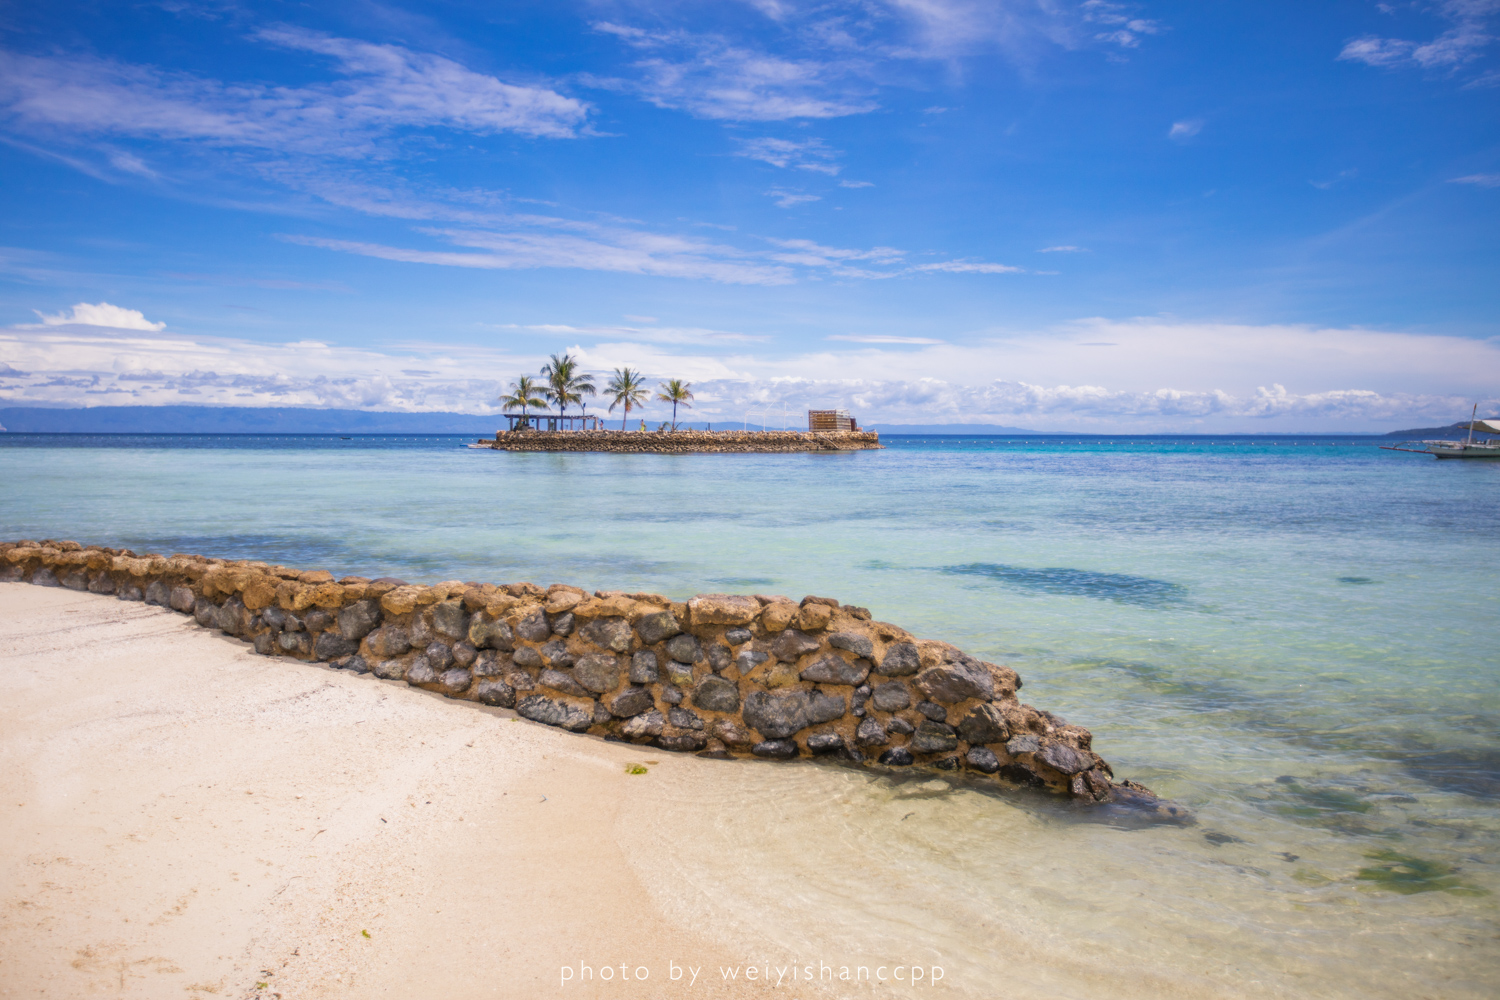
(440, 655)
(824, 707)
(1025, 743)
(496, 693)
(554, 713)
(956, 682)
(359, 619)
(643, 726)
(232, 618)
(776, 716)
(562, 682)
(556, 654)
(158, 593)
(601, 714)
(730, 733)
(656, 627)
(860, 645)
(265, 643)
(684, 649)
(871, 733)
(562, 624)
(294, 643)
(671, 694)
(821, 743)
(598, 672)
(679, 673)
(526, 656)
(983, 759)
(317, 620)
(130, 592)
(719, 657)
(834, 669)
(490, 663)
(420, 672)
(684, 718)
(900, 726)
(892, 696)
(681, 742)
(631, 701)
(737, 636)
(487, 634)
(101, 584)
(901, 660)
(791, 644)
(12, 574)
(421, 632)
(1064, 758)
(331, 646)
(749, 659)
(76, 580)
(984, 724)
(455, 681)
(946, 764)
(278, 620)
(356, 664)
(464, 654)
(897, 757)
(716, 695)
(933, 711)
(934, 737)
(392, 640)
(448, 619)
(775, 749)
(205, 612)
(390, 670)
(520, 680)
(644, 668)
(608, 633)
(533, 628)
(44, 577)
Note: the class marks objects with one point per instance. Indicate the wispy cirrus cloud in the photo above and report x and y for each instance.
(1478, 180)
(809, 154)
(1471, 33)
(380, 89)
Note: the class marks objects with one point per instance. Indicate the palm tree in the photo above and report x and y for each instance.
(675, 391)
(565, 384)
(523, 394)
(628, 387)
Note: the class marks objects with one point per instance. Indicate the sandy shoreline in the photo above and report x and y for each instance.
(185, 818)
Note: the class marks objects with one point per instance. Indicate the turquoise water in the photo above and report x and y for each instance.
(1294, 637)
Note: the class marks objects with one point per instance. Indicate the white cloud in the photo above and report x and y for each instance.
(1160, 376)
(1063, 249)
(863, 339)
(383, 88)
(810, 154)
(1479, 180)
(101, 314)
(1185, 129)
(790, 199)
(969, 267)
(1472, 31)
(856, 184)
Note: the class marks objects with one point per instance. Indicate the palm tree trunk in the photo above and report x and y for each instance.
(625, 417)
(674, 414)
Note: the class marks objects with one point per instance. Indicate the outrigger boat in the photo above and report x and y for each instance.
(1468, 448)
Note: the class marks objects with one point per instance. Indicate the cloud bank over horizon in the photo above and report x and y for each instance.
(1342, 379)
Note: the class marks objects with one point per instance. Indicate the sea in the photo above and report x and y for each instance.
(1294, 637)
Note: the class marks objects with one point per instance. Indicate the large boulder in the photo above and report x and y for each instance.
(834, 669)
(955, 682)
(792, 644)
(857, 643)
(598, 672)
(554, 713)
(779, 715)
(984, 724)
(607, 633)
(901, 660)
(656, 627)
(358, 619)
(716, 695)
(723, 609)
(892, 696)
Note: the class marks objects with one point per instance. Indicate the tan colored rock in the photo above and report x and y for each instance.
(403, 600)
(327, 595)
(563, 588)
(500, 605)
(286, 594)
(777, 617)
(933, 653)
(259, 592)
(559, 601)
(813, 617)
(723, 609)
(828, 602)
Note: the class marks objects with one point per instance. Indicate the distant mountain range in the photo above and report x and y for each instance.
(237, 420)
(1452, 430)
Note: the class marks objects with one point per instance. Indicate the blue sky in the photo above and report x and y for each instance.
(1057, 214)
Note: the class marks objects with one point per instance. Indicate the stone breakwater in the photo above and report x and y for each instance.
(722, 675)
(684, 442)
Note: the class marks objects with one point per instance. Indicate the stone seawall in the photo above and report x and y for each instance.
(722, 675)
(685, 442)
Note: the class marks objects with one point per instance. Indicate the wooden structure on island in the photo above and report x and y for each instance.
(830, 420)
(553, 422)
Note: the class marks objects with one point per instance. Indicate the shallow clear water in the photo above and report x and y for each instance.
(1295, 637)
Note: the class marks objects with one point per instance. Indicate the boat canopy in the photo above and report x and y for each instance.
(1492, 425)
